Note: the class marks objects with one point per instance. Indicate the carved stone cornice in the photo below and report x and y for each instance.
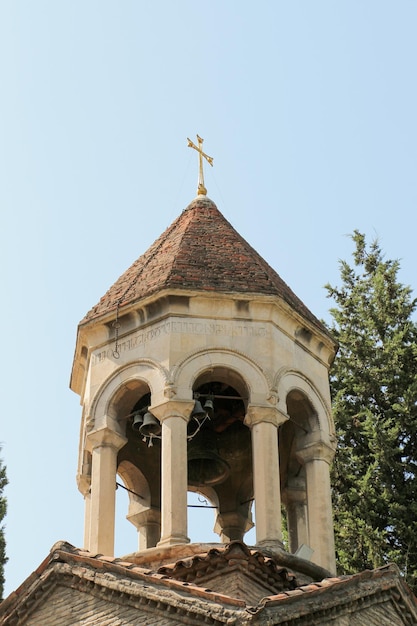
(105, 437)
(317, 451)
(173, 408)
(264, 414)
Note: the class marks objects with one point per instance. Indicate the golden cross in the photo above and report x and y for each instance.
(201, 191)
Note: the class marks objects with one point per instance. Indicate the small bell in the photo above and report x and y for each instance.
(137, 421)
(209, 407)
(198, 411)
(150, 426)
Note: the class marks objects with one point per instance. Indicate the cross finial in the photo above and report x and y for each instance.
(201, 191)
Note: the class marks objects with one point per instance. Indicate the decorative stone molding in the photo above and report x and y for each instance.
(212, 352)
(173, 408)
(257, 414)
(274, 545)
(317, 451)
(287, 380)
(145, 371)
(84, 483)
(142, 518)
(232, 526)
(294, 495)
(252, 377)
(148, 524)
(105, 437)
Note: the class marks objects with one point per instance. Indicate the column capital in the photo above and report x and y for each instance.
(317, 451)
(256, 414)
(294, 495)
(173, 408)
(231, 526)
(147, 516)
(105, 437)
(84, 483)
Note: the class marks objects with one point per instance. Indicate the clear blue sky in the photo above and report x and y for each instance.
(309, 110)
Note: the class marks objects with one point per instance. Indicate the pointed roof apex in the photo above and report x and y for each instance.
(200, 251)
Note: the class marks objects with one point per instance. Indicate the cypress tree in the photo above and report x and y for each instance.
(374, 395)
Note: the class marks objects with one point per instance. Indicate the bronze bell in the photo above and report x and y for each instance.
(209, 407)
(137, 421)
(198, 411)
(150, 426)
(205, 465)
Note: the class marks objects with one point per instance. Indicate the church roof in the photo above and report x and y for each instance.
(200, 251)
(234, 569)
(75, 586)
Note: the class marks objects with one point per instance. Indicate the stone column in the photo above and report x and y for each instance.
(264, 422)
(296, 505)
(104, 444)
(317, 457)
(174, 416)
(84, 485)
(148, 523)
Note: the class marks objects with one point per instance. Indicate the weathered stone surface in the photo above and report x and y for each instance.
(73, 587)
(67, 607)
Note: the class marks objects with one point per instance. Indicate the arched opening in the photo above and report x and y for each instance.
(138, 466)
(202, 512)
(126, 535)
(219, 451)
(225, 501)
(302, 421)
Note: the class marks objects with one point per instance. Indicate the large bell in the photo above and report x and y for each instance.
(205, 466)
(150, 427)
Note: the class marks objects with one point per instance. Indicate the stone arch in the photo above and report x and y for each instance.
(233, 496)
(310, 424)
(116, 396)
(135, 481)
(207, 492)
(291, 382)
(233, 365)
(111, 408)
(141, 512)
(201, 516)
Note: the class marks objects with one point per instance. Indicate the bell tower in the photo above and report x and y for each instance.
(201, 370)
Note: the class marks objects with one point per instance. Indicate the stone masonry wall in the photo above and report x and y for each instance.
(71, 607)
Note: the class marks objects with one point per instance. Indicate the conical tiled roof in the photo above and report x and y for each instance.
(200, 251)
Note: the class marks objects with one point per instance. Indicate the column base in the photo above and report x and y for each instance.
(275, 545)
(172, 540)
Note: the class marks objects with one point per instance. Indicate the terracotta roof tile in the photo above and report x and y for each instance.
(234, 551)
(134, 581)
(200, 251)
(332, 584)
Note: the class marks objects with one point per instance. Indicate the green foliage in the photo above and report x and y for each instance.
(374, 394)
(3, 509)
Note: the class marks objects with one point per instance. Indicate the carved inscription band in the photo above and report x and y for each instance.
(186, 328)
